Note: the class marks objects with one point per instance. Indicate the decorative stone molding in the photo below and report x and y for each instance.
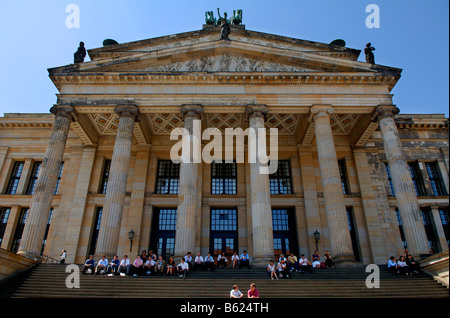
(128, 111)
(384, 111)
(195, 111)
(320, 110)
(257, 111)
(64, 111)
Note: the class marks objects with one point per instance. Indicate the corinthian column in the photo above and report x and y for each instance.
(108, 237)
(405, 194)
(34, 231)
(260, 195)
(188, 190)
(337, 220)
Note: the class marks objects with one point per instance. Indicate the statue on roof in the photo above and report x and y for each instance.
(236, 19)
(368, 51)
(80, 54)
(225, 23)
(209, 18)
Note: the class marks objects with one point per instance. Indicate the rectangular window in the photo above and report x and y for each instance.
(4, 216)
(19, 229)
(223, 178)
(105, 177)
(443, 214)
(344, 178)
(429, 229)
(15, 177)
(34, 177)
(280, 181)
(416, 178)
(167, 220)
(61, 167)
(388, 174)
(400, 227)
(223, 220)
(353, 233)
(96, 230)
(168, 177)
(280, 220)
(47, 228)
(437, 185)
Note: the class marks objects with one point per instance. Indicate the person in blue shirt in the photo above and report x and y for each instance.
(101, 266)
(209, 262)
(89, 267)
(244, 260)
(113, 267)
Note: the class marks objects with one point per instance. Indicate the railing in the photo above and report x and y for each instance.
(48, 259)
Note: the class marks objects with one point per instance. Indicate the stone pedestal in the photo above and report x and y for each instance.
(188, 209)
(34, 231)
(340, 241)
(405, 194)
(260, 196)
(108, 237)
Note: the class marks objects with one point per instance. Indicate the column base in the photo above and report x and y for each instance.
(261, 262)
(346, 261)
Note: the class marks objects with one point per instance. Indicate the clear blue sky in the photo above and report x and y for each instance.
(413, 36)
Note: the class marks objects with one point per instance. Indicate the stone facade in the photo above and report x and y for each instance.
(337, 129)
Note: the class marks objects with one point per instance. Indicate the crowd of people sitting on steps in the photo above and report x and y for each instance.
(149, 264)
(405, 265)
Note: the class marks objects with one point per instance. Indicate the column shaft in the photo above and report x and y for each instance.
(260, 196)
(340, 241)
(401, 179)
(188, 191)
(108, 237)
(34, 231)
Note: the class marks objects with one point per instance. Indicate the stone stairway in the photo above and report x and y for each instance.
(48, 280)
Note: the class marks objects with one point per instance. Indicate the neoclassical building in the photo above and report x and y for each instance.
(368, 178)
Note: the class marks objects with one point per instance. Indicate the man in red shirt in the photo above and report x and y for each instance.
(253, 292)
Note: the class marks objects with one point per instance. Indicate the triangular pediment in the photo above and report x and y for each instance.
(203, 52)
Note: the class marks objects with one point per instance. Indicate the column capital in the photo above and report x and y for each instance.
(257, 110)
(321, 110)
(191, 110)
(384, 111)
(128, 111)
(64, 111)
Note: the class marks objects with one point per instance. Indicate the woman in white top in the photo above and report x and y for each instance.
(403, 267)
(235, 292)
(235, 260)
(271, 270)
(222, 260)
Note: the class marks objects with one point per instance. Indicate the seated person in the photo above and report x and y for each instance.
(183, 268)
(304, 264)
(209, 262)
(101, 266)
(222, 260)
(271, 270)
(124, 267)
(234, 260)
(149, 266)
(244, 260)
(152, 255)
(137, 267)
(144, 256)
(282, 258)
(413, 266)
(198, 262)
(159, 267)
(328, 259)
(170, 267)
(315, 260)
(392, 265)
(113, 266)
(235, 292)
(292, 262)
(403, 267)
(88, 268)
(188, 259)
(283, 271)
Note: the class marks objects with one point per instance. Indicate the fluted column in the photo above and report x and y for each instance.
(260, 195)
(340, 240)
(405, 194)
(108, 237)
(41, 203)
(188, 191)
